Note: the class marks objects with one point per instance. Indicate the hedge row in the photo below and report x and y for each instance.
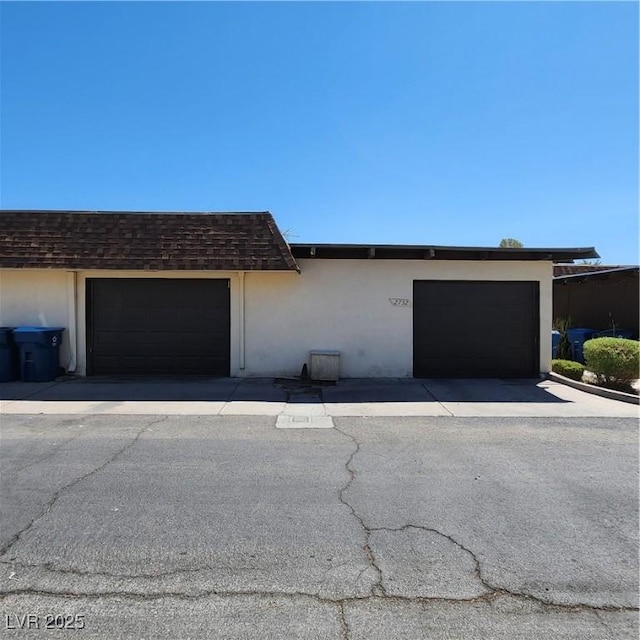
(568, 369)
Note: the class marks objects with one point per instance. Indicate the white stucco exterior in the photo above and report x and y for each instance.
(278, 317)
(344, 305)
(39, 298)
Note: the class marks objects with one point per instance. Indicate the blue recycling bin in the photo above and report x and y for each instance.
(610, 333)
(8, 355)
(577, 338)
(39, 352)
(555, 341)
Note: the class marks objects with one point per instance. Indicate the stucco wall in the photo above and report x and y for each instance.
(37, 297)
(344, 305)
(333, 304)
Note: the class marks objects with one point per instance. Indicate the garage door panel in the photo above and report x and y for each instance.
(475, 328)
(168, 326)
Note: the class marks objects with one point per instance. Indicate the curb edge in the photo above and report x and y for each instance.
(597, 391)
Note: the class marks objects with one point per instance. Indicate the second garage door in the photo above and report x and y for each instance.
(158, 326)
(468, 329)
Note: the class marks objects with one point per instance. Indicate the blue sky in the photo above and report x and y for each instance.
(418, 123)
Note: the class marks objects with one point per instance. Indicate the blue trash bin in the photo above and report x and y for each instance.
(610, 333)
(8, 355)
(555, 341)
(39, 352)
(577, 338)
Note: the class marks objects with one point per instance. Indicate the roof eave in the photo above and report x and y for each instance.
(434, 252)
(596, 275)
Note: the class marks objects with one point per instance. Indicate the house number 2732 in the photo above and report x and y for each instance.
(399, 302)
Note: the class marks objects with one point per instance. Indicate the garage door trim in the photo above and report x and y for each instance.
(215, 289)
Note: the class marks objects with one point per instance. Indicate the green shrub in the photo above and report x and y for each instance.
(613, 359)
(568, 369)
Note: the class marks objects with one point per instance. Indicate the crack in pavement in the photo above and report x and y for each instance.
(208, 593)
(123, 576)
(54, 498)
(492, 591)
(378, 587)
(604, 624)
(344, 626)
(476, 561)
(377, 594)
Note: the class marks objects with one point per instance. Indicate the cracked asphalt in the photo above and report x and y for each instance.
(186, 526)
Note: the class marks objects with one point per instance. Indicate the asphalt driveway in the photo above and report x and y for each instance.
(217, 526)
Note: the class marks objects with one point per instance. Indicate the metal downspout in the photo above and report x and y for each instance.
(72, 312)
(241, 323)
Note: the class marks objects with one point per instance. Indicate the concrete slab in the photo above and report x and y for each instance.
(252, 408)
(521, 410)
(356, 398)
(489, 390)
(592, 405)
(53, 407)
(125, 388)
(522, 398)
(17, 390)
(363, 409)
(376, 390)
(258, 390)
(304, 409)
(152, 396)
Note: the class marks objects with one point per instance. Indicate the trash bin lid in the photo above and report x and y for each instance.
(36, 329)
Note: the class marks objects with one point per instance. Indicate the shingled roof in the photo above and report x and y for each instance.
(560, 270)
(143, 241)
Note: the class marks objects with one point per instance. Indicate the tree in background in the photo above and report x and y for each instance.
(593, 263)
(510, 243)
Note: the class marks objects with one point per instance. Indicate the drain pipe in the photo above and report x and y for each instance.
(72, 314)
(241, 324)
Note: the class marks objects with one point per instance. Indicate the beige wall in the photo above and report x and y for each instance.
(333, 304)
(37, 297)
(344, 305)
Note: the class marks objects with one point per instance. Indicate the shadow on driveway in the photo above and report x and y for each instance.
(356, 390)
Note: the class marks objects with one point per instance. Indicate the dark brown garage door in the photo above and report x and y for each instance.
(464, 329)
(158, 326)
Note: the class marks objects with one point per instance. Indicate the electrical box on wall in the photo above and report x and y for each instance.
(324, 365)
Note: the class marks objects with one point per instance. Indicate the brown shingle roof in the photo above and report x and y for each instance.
(157, 241)
(575, 269)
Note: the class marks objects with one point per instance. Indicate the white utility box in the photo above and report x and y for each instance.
(324, 365)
